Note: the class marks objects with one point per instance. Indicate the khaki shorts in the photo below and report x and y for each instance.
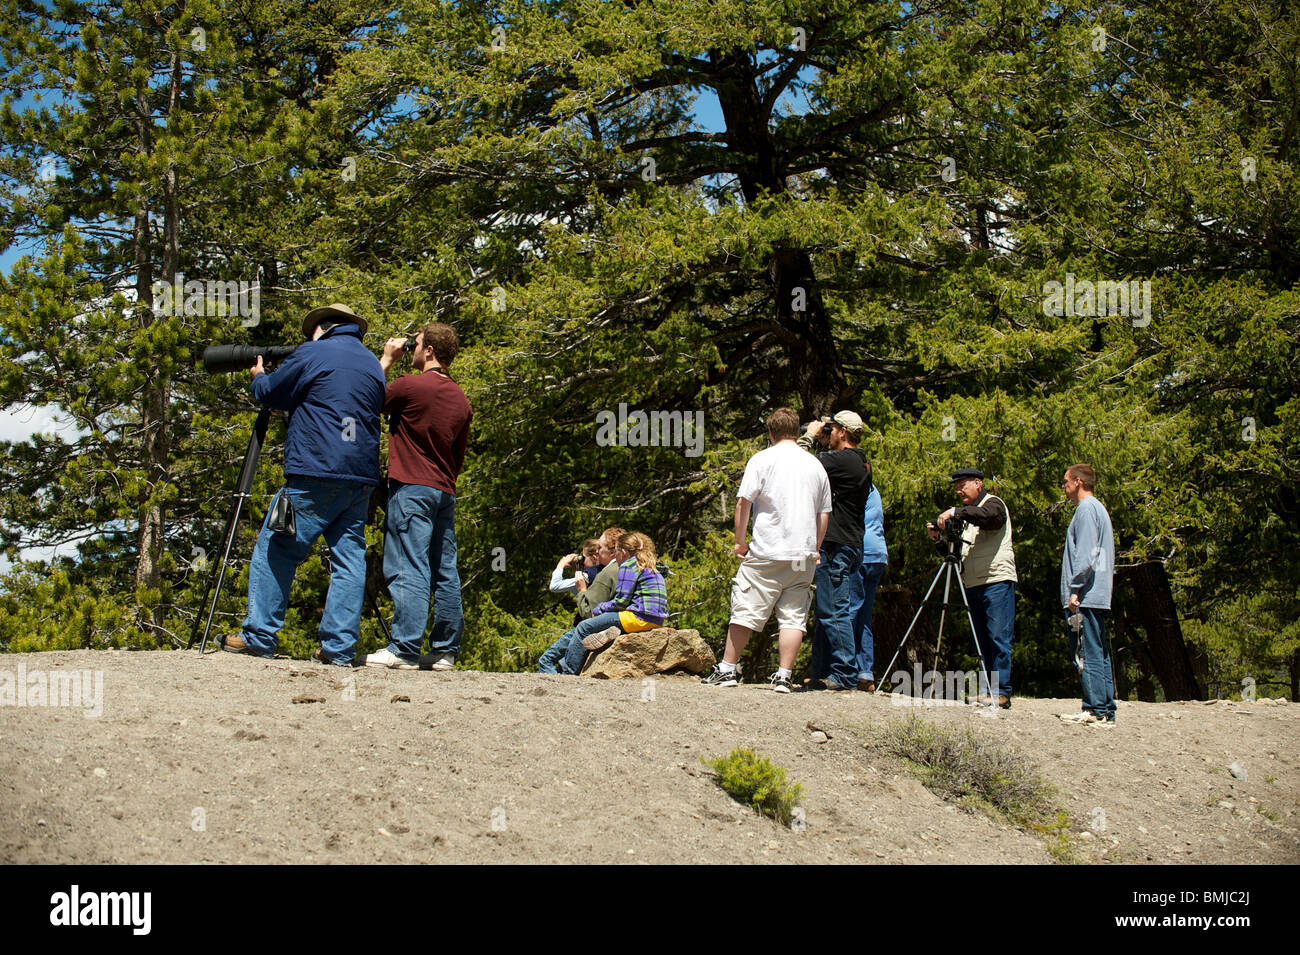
(761, 586)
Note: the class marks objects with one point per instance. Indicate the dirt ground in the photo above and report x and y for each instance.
(210, 759)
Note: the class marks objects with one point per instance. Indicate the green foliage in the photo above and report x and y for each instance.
(1257, 638)
(52, 614)
(699, 587)
(753, 780)
(918, 174)
(503, 642)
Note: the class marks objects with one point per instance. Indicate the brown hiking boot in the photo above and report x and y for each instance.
(233, 643)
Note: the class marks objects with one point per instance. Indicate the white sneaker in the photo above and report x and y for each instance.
(438, 661)
(782, 684)
(387, 658)
(1083, 716)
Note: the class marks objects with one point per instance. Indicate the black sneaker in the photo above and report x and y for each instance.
(720, 678)
(782, 684)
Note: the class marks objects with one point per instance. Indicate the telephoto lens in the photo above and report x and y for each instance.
(224, 359)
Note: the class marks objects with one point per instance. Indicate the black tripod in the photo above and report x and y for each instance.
(243, 489)
(949, 570)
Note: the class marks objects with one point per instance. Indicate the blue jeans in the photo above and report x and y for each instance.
(335, 510)
(567, 654)
(839, 595)
(871, 574)
(1097, 678)
(993, 610)
(420, 560)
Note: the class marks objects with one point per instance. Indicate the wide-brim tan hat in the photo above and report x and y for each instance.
(337, 310)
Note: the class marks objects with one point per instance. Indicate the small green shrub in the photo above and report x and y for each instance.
(959, 764)
(755, 781)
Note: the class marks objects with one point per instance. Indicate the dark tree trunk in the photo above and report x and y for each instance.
(812, 368)
(1164, 653)
(153, 403)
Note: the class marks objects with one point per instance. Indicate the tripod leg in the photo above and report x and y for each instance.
(943, 616)
(215, 590)
(374, 609)
(902, 643)
(374, 562)
(243, 490)
(218, 570)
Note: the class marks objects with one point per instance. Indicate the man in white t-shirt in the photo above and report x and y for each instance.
(790, 496)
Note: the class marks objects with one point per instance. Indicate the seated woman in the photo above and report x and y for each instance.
(589, 569)
(640, 602)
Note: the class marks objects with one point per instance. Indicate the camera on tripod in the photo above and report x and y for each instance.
(951, 532)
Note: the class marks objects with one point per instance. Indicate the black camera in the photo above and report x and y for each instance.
(951, 532)
(953, 529)
(822, 438)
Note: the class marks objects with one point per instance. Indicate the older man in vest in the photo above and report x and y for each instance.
(989, 576)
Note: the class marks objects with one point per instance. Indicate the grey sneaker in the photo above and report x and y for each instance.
(782, 684)
(594, 641)
(1098, 723)
(438, 661)
(1083, 716)
(833, 684)
(720, 678)
(387, 658)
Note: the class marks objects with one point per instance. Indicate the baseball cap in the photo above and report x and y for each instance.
(849, 421)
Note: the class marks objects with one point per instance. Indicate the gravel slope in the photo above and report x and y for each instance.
(211, 760)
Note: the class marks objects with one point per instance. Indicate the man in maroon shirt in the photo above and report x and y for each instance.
(428, 425)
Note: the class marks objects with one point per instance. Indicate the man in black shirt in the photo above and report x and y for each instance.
(838, 577)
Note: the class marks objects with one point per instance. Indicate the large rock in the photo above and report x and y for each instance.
(635, 655)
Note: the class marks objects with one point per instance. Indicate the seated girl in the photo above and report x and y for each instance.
(640, 602)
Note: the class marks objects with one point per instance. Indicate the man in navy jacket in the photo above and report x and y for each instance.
(332, 390)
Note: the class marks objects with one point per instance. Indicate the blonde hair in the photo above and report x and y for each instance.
(641, 547)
